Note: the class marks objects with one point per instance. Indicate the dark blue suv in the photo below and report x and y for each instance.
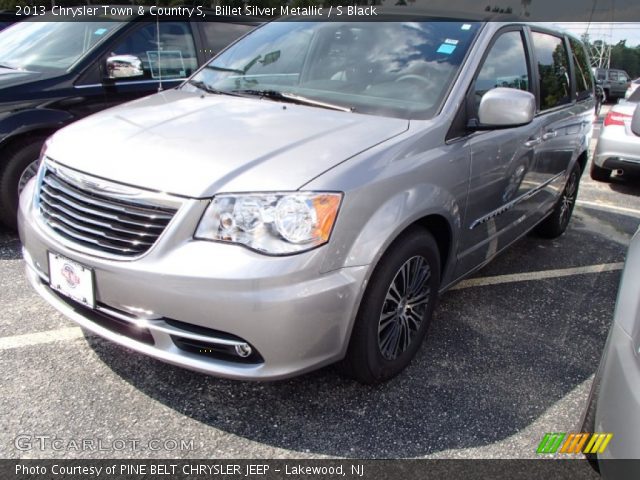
(53, 73)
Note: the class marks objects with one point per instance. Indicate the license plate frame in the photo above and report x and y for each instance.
(72, 279)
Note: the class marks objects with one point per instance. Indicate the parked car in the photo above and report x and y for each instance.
(633, 85)
(614, 400)
(53, 73)
(618, 148)
(306, 196)
(614, 82)
(7, 18)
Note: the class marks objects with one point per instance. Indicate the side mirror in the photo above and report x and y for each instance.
(124, 66)
(506, 107)
(635, 121)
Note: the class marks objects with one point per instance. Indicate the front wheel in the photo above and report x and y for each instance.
(556, 223)
(396, 309)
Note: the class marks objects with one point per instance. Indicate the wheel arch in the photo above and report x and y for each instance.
(377, 227)
(24, 137)
(31, 124)
(582, 161)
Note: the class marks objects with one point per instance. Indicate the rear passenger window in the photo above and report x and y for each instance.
(553, 70)
(584, 80)
(505, 66)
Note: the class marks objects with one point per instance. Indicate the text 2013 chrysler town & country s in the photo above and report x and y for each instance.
(305, 197)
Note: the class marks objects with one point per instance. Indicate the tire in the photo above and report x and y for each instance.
(588, 424)
(556, 223)
(598, 108)
(394, 316)
(19, 160)
(599, 174)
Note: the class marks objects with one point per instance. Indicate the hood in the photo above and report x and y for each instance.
(188, 144)
(10, 77)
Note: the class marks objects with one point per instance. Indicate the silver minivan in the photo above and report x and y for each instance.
(307, 195)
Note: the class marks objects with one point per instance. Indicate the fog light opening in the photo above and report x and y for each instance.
(243, 350)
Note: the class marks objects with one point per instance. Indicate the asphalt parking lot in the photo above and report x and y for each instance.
(510, 355)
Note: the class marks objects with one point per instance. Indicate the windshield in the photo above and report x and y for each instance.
(392, 69)
(50, 46)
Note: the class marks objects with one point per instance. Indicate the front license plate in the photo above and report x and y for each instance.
(71, 279)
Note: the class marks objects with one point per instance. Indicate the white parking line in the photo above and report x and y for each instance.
(71, 333)
(540, 275)
(605, 206)
(28, 339)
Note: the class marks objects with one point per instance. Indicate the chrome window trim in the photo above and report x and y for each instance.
(133, 82)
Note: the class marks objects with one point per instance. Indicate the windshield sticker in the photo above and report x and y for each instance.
(451, 41)
(466, 26)
(446, 48)
(100, 31)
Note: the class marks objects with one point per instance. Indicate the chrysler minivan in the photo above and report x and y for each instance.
(307, 195)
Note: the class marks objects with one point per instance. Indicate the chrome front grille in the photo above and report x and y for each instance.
(99, 215)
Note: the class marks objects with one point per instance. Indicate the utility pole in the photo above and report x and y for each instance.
(600, 52)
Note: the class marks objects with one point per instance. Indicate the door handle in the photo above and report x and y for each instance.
(549, 135)
(533, 142)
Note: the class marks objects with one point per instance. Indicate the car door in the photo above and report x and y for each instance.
(167, 53)
(562, 122)
(502, 176)
(620, 86)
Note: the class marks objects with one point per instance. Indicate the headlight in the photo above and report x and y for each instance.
(273, 223)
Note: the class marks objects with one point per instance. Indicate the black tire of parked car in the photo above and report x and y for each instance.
(600, 99)
(368, 359)
(556, 223)
(588, 424)
(599, 174)
(17, 158)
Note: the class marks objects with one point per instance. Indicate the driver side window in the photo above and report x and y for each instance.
(504, 66)
(174, 57)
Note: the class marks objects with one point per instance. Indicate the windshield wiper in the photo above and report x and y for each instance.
(223, 69)
(9, 67)
(209, 89)
(293, 98)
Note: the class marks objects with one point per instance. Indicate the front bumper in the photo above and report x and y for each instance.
(204, 293)
(617, 148)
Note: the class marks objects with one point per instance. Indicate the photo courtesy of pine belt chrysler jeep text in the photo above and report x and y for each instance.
(305, 197)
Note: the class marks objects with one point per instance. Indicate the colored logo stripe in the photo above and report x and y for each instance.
(550, 443)
(574, 443)
(598, 443)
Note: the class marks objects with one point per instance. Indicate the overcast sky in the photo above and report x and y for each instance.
(601, 13)
(610, 32)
